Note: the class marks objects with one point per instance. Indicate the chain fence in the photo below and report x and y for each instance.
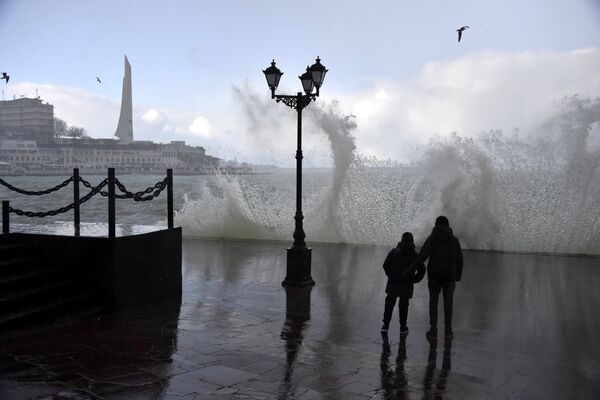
(35, 193)
(153, 191)
(147, 194)
(64, 209)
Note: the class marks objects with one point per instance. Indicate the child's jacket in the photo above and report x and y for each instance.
(396, 262)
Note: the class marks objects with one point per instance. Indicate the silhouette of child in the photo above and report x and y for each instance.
(397, 261)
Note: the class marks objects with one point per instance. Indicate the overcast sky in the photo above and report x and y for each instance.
(395, 65)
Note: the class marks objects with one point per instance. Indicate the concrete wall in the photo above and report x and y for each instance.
(123, 271)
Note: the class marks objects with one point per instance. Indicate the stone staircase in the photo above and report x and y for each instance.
(32, 293)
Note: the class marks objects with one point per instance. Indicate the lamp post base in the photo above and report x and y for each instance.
(298, 267)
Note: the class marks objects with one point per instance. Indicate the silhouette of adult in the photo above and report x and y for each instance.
(444, 269)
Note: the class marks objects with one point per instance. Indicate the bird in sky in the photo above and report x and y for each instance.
(5, 76)
(98, 79)
(460, 31)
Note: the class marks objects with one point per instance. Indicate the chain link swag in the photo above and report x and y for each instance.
(64, 209)
(139, 196)
(35, 193)
(151, 192)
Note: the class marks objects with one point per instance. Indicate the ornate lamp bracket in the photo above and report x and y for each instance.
(292, 101)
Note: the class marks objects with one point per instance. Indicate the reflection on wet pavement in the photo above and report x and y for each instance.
(128, 353)
(525, 328)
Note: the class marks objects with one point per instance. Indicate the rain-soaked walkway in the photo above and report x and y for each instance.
(526, 327)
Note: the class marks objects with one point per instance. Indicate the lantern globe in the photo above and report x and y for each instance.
(273, 75)
(318, 72)
(307, 81)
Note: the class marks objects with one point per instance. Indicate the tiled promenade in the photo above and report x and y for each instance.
(526, 327)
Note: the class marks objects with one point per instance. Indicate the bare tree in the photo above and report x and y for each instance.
(76, 132)
(60, 128)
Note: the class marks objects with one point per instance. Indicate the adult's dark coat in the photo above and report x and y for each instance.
(398, 260)
(443, 250)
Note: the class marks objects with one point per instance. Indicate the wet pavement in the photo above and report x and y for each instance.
(526, 327)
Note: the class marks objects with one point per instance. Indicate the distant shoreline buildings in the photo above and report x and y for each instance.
(29, 146)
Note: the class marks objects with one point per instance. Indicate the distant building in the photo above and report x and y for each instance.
(26, 117)
(28, 145)
(95, 155)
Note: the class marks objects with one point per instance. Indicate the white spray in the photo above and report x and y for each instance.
(537, 194)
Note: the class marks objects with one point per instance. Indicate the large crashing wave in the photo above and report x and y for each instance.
(540, 194)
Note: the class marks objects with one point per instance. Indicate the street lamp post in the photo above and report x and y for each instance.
(299, 255)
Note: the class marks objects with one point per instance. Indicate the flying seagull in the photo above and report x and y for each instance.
(98, 79)
(460, 31)
(5, 76)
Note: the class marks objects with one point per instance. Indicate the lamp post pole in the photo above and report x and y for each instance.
(298, 271)
(299, 234)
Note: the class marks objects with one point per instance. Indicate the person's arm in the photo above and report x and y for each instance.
(421, 257)
(459, 261)
(387, 264)
(424, 253)
(420, 273)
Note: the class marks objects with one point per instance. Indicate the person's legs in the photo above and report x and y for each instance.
(390, 302)
(448, 288)
(434, 294)
(403, 309)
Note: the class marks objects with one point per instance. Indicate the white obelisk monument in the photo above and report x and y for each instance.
(125, 127)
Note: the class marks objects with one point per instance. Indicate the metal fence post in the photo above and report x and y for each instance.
(5, 215)
(111, 203)
(170, 198)
(76, 200)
